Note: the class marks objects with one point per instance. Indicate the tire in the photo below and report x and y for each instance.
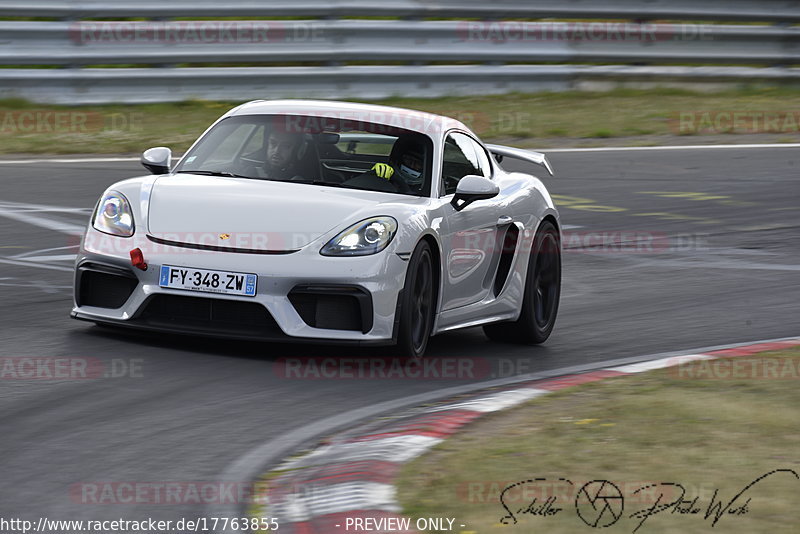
(542, 293)
(417, 308)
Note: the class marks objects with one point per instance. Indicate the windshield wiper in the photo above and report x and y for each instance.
(216, 173)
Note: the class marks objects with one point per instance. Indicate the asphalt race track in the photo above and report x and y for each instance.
(723, 267)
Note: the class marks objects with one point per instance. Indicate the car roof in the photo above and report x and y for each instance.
(434, 126)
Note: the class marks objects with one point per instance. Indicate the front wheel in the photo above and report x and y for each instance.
(416, 319)
(542, 293)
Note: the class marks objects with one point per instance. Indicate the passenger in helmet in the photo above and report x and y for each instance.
(402, 174)
(408, 158)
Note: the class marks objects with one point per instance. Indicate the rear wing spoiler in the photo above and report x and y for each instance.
(517, 153)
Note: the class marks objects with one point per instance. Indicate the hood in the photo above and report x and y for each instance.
(251, 214)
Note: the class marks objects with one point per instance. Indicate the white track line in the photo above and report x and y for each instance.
(39, 265)
(42, 207)
(392, 449)
(37, 220)
(58, 226)
(316, 501)
(40, 252)
(65, 160)
(44, 259)
(663, 147)
(659, 364)
(494, 402)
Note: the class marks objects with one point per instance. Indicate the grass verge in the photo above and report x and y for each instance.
(688, 425)
(628, 117)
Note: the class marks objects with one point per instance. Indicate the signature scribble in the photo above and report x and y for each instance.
(715, 509)
(600, 503)
(546, 509)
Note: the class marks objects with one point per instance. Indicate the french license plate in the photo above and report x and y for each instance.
(207, 281)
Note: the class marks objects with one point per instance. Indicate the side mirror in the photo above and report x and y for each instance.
(157, 160)
(471, 188)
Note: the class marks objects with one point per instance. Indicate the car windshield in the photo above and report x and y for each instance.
(310, 150)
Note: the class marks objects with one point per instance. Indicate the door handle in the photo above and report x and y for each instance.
(504, 220)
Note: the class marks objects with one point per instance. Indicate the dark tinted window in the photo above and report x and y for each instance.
(462, 156)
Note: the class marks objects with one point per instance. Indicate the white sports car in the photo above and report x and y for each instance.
(326, 221)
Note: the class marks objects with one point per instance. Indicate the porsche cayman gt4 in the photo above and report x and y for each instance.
(330, 222)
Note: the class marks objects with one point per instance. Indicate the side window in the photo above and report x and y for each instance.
(462, 156)
(483, 160)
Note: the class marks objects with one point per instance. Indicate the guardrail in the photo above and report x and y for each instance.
(161, 59)
(717, 10)
(326, 41)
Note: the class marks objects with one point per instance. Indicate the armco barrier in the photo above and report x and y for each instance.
(484, 47)
(717, 10)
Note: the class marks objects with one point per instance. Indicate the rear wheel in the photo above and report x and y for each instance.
(416, 319)
(542, 293)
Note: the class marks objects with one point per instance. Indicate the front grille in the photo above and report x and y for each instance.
(209, 315)
(218, 248)
(333, 308)
(104, 289)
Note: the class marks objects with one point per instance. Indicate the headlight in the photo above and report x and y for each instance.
(369, 236)
(114, 215)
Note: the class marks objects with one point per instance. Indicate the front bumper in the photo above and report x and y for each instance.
(302, 296)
